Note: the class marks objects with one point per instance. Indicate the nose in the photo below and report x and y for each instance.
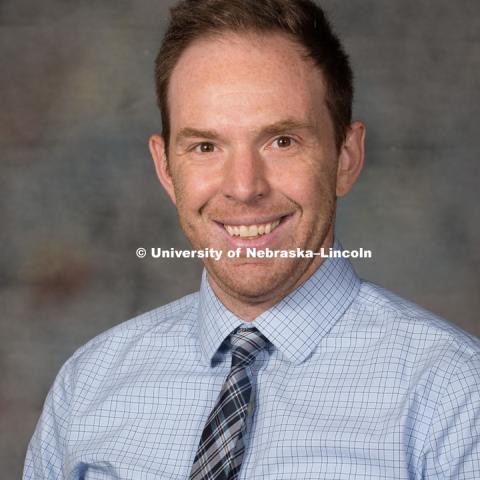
(245, 177)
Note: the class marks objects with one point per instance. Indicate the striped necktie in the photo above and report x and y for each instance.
(220, 452)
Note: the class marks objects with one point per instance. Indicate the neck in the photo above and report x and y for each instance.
(248, 309)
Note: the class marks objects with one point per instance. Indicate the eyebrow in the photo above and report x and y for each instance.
(285, 125)
(189, 132)
(272, 129)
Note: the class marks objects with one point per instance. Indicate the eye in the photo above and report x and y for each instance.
(283, 142)
(204, 147)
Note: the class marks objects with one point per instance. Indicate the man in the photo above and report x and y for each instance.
(327, 376)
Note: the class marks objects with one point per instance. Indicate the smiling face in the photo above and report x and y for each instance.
(252, 162)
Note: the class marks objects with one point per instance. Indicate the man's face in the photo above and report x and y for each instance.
(252, 160)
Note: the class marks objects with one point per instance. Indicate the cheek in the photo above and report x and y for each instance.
(310, 187)
(193, 188)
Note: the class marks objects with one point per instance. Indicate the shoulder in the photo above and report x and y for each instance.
(422, 350)
(173, 320)
(425, 356)
(383, 310)
(114, 358)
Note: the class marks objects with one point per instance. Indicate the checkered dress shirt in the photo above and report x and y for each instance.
(356, 384)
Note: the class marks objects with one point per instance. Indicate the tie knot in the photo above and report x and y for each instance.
(246, 343)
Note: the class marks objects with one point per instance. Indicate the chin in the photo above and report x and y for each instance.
(256, 282)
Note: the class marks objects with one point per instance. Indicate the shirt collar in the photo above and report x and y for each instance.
(296, 324)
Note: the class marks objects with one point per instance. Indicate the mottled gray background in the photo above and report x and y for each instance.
(78, 193)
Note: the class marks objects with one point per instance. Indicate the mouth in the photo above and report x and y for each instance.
(249, 230)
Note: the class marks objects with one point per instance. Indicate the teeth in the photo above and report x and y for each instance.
(251, 230)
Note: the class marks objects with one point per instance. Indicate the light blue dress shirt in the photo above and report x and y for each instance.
(357, 384)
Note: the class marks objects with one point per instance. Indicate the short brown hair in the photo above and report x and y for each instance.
(302, 20)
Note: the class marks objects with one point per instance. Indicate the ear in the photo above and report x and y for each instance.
(159, 156)
(351, 158)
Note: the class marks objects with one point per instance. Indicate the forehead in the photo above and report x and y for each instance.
(243, 79)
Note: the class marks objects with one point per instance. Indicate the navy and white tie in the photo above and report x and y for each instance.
(220, 452)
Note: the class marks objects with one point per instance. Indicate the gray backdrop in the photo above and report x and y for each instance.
(78, 192)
